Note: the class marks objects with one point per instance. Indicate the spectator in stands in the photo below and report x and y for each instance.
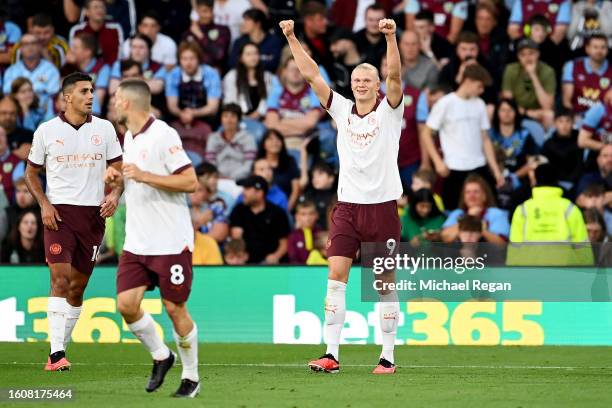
(346, 58)
(449, 16)
(214, 39)
(153, 72)
(426, 100)
(470, 229)
(515, 142)
(477, 200)
(193, 89)
(493, 41)
(235, 252)
(42, 73)
(602, 175)
(249, 86)
(425, 178)
(596, 127)
(30, 113)
(586, 80)
(432, 44)
(82, 57)
(557, 12)
(593, 197)
(369, 40)
(547, 216)
(589, 17)
(263, 226)
(109, 34)
(164, 47)
(320, 190)
(121, 11)
(10, 33)
(531, 83)
(263, 168)
(24, 201)
(301, 239)
(595, 225)
(205, 250)
(462, 122)
(24, 244)
(8, 163)
(54, 47)
(318, 255)
(466, 53)
(208, 216)
(255, 29)
(555, 55)
(293, 108)
(208, 175)
(286, 173)
(562, 150)
(423, 220)
(231, 149)
(229, 13)
(418, 71)
(19, 138)
(315, 32)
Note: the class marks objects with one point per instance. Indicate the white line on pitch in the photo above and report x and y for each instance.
(269, 365)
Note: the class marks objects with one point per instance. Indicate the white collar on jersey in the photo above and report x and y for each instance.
(198, 77)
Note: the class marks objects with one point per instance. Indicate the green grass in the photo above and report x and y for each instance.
(247, 375)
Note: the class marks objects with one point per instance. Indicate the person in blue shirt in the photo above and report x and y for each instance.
(263, 168)
(193, 90)
(10, 33)
(43, 74)
(31, 115)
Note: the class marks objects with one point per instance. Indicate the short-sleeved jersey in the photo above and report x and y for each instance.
(75, 159)
(368, 147)
(157, 221)
(291, 105)
(598, 120)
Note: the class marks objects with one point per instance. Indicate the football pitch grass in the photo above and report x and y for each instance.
(255, 375)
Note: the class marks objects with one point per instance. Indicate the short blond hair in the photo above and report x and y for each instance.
(364, 66)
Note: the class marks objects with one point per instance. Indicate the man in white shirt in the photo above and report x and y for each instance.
(158, 234)
(75, 148)
(461, 120)
(369, 185)
(164, 47)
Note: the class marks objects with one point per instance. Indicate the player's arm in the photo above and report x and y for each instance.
(430, 147)
(184, 181)
(490, 156)
(281, 250)
(394, 80)
(568, 93)
(113, 178)
(308, 68)
(586, 140)
(49, 214)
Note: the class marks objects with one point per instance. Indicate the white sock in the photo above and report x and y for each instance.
(335, 312)
(188, 350)
(389, 316)
(56, 316)
(144, 329)
(72, 316)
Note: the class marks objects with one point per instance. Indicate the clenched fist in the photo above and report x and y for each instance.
(287, 27)
(387, 26)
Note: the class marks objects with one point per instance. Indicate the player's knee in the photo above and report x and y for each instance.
(59, 286)
(127, 308)
(174, 310)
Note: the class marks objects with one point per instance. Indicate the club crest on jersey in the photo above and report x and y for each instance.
(448, 7)
(96, 140)
(7, 167)
(2, 38)
(553, 8)
(604, 82)
(213, 34)
(408, 100)
(372, 120)
(55, 249)
(305, 102)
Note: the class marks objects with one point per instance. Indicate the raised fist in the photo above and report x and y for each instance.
(386, 26)
(287, 27)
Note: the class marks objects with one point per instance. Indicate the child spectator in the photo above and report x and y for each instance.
(205, 250)
(208, 216)
(321, 190)
(562, 149)
(470, 229)
(595, 225)
(423, 220)
(425, 178)
(235, 252)
(318, 256)
(301, 239)
(214, 39)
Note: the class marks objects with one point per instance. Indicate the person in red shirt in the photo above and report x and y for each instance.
(109, 34)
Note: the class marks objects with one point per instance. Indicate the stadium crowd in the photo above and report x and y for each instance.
(473, 161)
